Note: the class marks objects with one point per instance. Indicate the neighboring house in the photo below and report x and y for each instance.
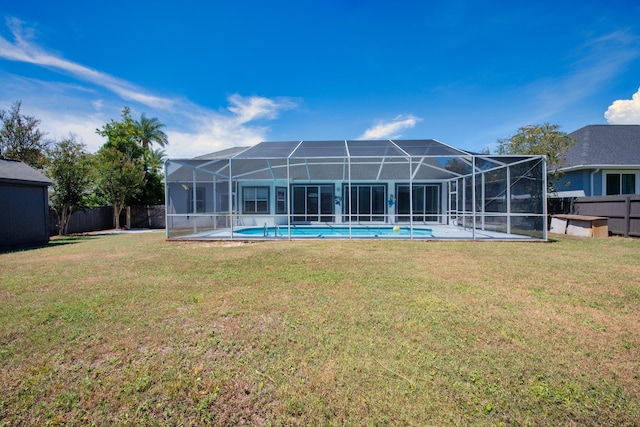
(604, 161)
(24, 206)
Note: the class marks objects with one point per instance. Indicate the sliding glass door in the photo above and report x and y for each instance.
(312, 203)
(365, 202)
(426, 202)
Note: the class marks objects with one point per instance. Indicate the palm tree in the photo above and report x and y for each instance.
(155, 160)
(150, 132)
(153, 192)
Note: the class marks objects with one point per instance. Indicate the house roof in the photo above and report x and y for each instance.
(338, 149)
(372, 160)
(11, 170)
(222, 154)
(605, 145)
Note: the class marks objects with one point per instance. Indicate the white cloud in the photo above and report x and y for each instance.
(87, 105)
(599, 61)
(97, 104)
(216, 131)
(624, 111)
(247, 109)
(203, 131)
(187, 145)
(61, 108)
(59, 126)
(390, 129)
(22, 50)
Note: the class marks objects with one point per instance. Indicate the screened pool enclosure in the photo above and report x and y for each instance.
(402, 189)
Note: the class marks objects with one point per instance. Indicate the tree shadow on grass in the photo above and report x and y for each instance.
(54, 242)
(68, 240)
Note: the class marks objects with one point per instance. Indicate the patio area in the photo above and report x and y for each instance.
(430, 232)
(393, 189)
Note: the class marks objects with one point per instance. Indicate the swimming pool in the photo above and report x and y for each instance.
(321, 231)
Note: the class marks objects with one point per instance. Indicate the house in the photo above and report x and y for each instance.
(348, 187)
(604, 161)
(24, 206)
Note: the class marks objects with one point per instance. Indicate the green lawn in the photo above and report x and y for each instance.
(134, 330)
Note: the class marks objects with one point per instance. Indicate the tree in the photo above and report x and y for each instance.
(120, 163)
(20, 138)
(545, 140)
(124, 136)
(153, 191)
(70, 170)
(155, 160)
(118, 183)
(150, 132)
(120, 178)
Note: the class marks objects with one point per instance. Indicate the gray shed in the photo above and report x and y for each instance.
(24, 206)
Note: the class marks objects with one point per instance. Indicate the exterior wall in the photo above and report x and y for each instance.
(339, 208)
(179, 196)
(597, 183)
(178, 203)
(25, 215)
(595, 179)
(581, 180)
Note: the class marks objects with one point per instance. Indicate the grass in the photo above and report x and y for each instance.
(133, 330)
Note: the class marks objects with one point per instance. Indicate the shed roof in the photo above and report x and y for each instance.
(600, 145)
(12, 170)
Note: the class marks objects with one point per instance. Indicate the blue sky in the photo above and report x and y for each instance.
(236, 72)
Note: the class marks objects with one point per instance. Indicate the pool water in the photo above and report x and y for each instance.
(334, 231)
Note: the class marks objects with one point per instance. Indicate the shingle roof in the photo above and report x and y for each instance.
(11, 170)
(605, 145)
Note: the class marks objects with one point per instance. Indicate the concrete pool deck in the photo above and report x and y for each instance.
(439, 232)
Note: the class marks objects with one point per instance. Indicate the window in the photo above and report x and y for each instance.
(620, 183)
(281, 200)
(199, 200)
(453, 196)
(255, 200)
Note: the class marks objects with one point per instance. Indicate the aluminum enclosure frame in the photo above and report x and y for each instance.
(415, 183)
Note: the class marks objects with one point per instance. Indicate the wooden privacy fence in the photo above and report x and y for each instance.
(93, 219)
(144, 217)
(101, 218)
(623, 212)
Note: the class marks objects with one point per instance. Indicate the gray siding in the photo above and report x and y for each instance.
(25, 215)
(576, 180)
